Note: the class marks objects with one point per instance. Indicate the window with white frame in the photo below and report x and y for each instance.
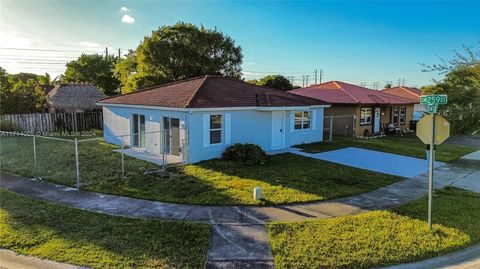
(403, 114)
(215, 129)
(395, 115)
(302, 120)
(366, 115)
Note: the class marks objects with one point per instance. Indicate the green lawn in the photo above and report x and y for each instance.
(408, 145)
(287, 178)
(380, 238)
(57, 232)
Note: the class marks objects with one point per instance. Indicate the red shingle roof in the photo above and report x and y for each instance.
(336, 92)
(403, 91)
(209, 92)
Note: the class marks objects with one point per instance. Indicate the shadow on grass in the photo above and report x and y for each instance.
(76, 236)
(287, 178)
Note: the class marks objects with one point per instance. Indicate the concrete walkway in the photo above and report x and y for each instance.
(11, 260)
(239, 238)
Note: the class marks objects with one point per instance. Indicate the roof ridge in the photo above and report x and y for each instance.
(196, 91)
(284, 94)
(347, 93)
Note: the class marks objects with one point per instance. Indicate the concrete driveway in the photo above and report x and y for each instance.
(372, 160)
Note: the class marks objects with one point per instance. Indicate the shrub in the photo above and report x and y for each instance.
(249, 154)
(8, 126)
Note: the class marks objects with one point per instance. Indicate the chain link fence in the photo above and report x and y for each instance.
(338, 126)
(77, 162)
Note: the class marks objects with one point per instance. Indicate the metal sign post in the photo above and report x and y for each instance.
(430, 173)
(432, 129)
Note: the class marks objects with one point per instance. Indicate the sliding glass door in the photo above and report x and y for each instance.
(171, 131)
(138, 130)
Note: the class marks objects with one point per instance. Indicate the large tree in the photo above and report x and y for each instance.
(95, 69)
(20, 93)
(462, 85)
(178, 52)
(274, 81)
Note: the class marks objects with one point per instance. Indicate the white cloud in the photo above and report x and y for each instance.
(124, 9)
(14, 39)
(90, 44)
(128, 19)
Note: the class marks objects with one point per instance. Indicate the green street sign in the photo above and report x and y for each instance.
(439, 99)
(432, 108)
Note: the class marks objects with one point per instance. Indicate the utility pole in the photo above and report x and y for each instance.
(403, 81)
(303, 81)
(106, 52)
(316, 73)
(119, 53)
(307, 80)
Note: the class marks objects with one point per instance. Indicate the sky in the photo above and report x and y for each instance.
(369, 43)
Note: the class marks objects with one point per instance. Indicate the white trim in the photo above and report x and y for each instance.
(313, 120)
(214, 108)
(292, 121)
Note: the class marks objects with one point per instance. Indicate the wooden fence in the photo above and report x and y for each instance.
(56, 122)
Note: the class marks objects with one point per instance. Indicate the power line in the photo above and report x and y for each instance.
(55, 50)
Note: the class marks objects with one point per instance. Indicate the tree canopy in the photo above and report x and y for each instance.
(179, 52)
(462, 85)
(95, 69)
(274, 81)
(20, 93)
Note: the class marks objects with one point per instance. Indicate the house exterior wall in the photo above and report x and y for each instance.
(238, 126)
(385, 116)
(118, 121)
(248, 126)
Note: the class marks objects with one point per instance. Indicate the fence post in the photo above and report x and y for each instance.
(331, 128)
(34, 158)
(164, 149)
(123, 163)
(77, 164)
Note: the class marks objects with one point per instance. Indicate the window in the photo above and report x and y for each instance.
(138, 130)
(215, 129)
(366, 115)
(395, 116)
(302, 120)
(403, 114)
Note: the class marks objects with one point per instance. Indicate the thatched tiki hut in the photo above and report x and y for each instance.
(73, 97)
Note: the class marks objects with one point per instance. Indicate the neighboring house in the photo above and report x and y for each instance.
(73, 97)
(204, 115)
(372, 110)
(418, 109)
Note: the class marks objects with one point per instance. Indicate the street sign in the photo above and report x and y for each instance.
(439, 99)
(432, 108)
(424, 129)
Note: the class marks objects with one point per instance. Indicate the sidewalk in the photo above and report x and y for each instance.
(239, 236)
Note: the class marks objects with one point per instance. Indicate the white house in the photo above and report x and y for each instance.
(196, 119)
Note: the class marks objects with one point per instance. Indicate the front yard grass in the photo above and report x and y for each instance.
(380, 238)
(65, 234)
(408, 145)
(287, 178)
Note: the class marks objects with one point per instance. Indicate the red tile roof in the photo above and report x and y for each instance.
(403, 91)
(336, 92)
(209, 92)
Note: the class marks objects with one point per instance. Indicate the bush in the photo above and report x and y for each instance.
(8, 126)
(249, 154)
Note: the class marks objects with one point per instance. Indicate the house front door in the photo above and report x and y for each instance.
(376, 121)
(278, 130)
